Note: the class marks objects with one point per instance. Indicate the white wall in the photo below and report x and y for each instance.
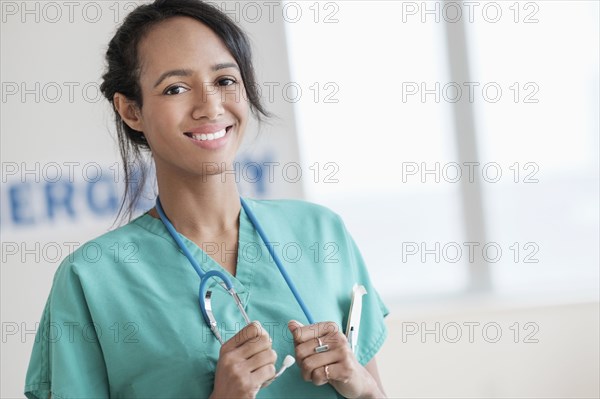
(556, 355)
(390, 63)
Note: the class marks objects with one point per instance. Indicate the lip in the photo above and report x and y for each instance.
(211, 144)
(209, 128)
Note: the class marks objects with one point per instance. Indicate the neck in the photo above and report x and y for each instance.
(199, 207)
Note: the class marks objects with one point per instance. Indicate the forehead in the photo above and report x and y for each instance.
(181, 42)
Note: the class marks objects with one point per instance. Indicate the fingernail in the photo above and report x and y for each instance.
(297, 322)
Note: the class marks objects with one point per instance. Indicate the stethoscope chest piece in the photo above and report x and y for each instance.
(208, 314)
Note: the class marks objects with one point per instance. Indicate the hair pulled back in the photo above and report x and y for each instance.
(122, 75)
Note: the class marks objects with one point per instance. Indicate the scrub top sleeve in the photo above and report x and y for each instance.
(66, 360)
(373, 330)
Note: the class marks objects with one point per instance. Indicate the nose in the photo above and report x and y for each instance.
(208, 102)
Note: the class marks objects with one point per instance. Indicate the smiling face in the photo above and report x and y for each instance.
(194, 108)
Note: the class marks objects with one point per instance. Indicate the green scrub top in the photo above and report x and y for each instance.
(123, 321)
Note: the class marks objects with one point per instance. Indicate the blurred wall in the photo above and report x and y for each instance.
(491, 349)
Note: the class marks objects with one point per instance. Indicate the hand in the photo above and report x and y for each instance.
(246, 362)
(344, 372)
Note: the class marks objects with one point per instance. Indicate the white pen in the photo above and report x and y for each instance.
(352, 328)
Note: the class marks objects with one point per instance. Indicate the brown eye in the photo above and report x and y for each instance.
(227, 82)
(175, 90)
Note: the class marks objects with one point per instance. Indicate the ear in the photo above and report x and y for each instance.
(129, 111)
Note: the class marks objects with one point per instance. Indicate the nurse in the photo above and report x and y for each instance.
(126, 324)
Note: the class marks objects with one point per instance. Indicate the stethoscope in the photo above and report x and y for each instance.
(204, 295)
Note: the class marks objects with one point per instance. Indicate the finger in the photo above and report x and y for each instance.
(308, 360)
(252, 332)
(303, 334)
(261, 359)
(321, 375)
(294, 327)
(333, 341)
(314, 362)
(252, 347)
(263, 374)
(267, 383)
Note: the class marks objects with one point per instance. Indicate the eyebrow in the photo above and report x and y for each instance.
(189, 72)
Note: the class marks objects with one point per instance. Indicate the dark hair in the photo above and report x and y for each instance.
(123, 72)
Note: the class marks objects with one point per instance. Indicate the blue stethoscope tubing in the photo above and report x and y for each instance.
(205, 276)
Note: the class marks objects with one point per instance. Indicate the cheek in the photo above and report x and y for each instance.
(162, 117)
(242, 105)
(241, 109)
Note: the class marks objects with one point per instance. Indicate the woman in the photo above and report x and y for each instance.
(181, 81)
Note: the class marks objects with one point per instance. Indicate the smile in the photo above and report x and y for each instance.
(209, 136)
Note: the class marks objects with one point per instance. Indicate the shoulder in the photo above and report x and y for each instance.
(297, 215)
(107, 248)
(299, 221)
(294, 209)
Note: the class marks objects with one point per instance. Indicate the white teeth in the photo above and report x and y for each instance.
(209, 136)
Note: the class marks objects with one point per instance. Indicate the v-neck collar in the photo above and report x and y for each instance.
(247, 245)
